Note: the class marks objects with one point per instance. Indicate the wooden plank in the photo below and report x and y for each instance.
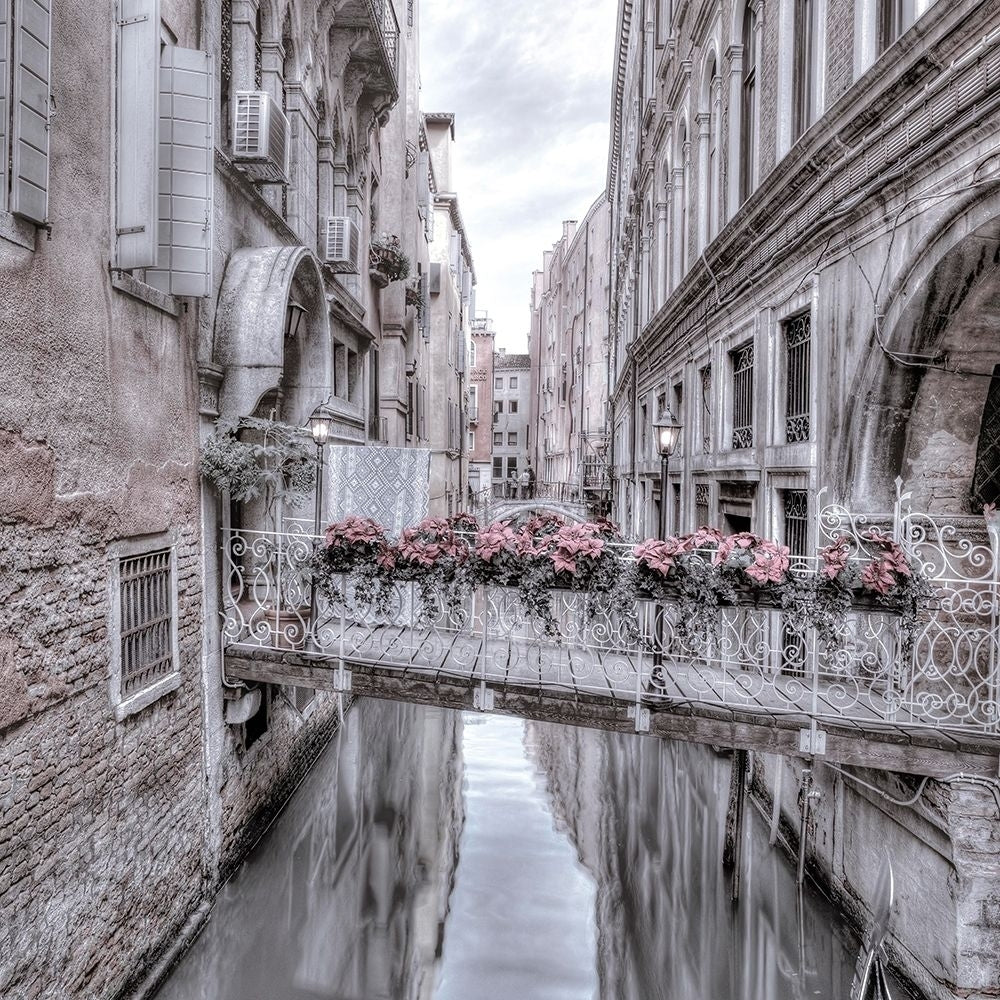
(714, 725)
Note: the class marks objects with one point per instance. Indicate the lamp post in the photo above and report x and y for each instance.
(668, 433)
(319, 428)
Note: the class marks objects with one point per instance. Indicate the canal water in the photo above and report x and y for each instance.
(435, 856)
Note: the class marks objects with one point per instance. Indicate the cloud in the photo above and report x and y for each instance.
(530, 86)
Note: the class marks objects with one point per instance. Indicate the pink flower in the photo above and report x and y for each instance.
(770, 563)
(835, 557)
(734, 543)
(877, 576)
(657, 555)
(494, 539)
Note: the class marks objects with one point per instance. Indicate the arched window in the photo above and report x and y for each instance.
(806, 53)
(894, 18)
(684, 158)
(748, 117)
(708, 154)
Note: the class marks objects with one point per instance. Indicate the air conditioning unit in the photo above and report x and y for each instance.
(260, 137)
(341, 244)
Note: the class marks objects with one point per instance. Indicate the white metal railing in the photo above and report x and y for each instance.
(756, 660)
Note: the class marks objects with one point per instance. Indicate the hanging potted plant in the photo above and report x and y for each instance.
(386, 260)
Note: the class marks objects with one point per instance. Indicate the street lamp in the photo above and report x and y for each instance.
(668, 433)
(319, 427)
(293, 318)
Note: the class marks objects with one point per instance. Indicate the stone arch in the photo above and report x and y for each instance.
(921, 423)
(521, 510)
(250, 342)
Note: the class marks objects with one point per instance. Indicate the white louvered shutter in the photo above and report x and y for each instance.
(5, 46)
(29, 110)
(136, 126)
(184, 258)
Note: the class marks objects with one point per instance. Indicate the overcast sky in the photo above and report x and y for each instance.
(530, 86)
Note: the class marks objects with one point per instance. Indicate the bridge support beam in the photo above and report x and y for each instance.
(732, 849)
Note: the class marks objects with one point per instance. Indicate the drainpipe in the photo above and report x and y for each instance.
(583, 354)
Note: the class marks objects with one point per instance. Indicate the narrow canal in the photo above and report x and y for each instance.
(430, 855)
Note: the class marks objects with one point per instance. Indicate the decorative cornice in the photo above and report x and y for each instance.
(618, 92)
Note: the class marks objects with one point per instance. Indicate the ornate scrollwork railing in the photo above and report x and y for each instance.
(755, 659)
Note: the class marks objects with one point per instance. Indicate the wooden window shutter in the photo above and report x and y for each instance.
(422, 412)
(29, 106)
(137, 102)
(184, 242)
(5, 80)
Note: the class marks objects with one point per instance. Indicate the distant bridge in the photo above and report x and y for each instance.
(753, 687)
(509, 502)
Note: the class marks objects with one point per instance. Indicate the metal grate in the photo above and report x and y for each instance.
(796, 504)
(147, 614)
(706, 409)
(986, 479)
(798, 334)
(702, 504)
(742, 359)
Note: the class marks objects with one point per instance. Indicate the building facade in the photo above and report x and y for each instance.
(512, 431)
(187, 240)
(480, 404)
(804, 216)
(568, 345)
(451, 284)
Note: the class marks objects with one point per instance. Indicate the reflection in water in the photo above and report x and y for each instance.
(522, 914)
(345, 896)
(648, 818)
(572, 864)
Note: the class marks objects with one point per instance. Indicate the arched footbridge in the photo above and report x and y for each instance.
(928, 707)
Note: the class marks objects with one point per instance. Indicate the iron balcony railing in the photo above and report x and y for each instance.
(387, 27)
(758, 660)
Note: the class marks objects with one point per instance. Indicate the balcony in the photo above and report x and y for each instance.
(376, 49)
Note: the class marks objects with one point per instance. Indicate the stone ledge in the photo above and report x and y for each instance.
(17, 231)
(147, 294)
(146, 697)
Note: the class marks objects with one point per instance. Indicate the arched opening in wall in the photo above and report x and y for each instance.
(934, 423)
(708, 141)
(748, 104)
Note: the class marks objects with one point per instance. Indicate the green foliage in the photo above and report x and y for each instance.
(249, 458)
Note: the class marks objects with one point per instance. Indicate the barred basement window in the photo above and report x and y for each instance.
(742, 359)
(146, 620)
(144, 623)
(702, 505)
(798, 335)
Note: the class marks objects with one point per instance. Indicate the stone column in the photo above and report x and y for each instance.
(677, 216)
(662, 250)
(735, 56)
(244, 44)
(703, 121)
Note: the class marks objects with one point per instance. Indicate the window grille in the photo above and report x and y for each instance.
(798, 334)
(706, 409)
(258, 54)
(677, 509)
(742, 359)
(796, 505)
(702, 504)
(147, 618)
(986, 479)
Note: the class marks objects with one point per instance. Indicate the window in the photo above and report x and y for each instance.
(986, 479)
(676, 491)
(742, 361)
(25, 29)
(895, 18)
(411, 407)
(513, 381)
(798, 331)
(511, 465)
(511, 439)
(498, 439)
(471, 441)
(513, 406)
(804, 90)
(796, 512)
(679, 414)
(145, 662)
(498, 382)
(472, 354)
(748, 120)
(499, 406)
(702, 505)
(473, 402)
(164, 156)
(498, 468)
(705, 377)
(709, 137)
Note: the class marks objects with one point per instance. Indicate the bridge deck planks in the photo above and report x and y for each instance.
(423, 677)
